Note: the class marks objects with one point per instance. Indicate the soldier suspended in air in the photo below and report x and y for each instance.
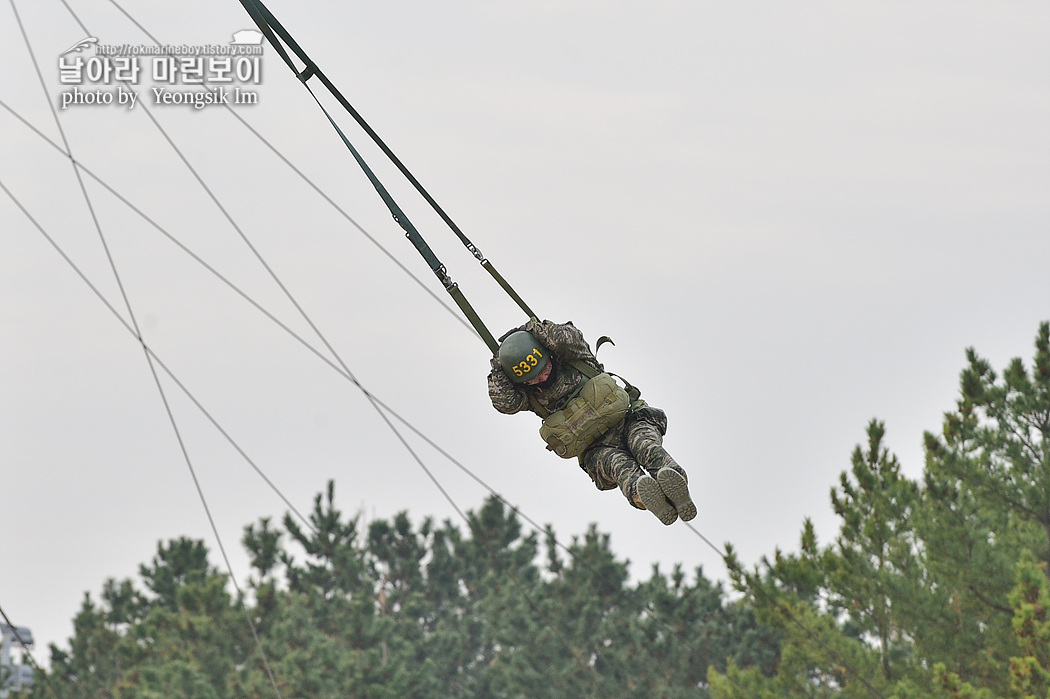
(544, 367)
(548, 368)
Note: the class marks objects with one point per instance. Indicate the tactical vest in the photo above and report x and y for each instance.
(598, 405)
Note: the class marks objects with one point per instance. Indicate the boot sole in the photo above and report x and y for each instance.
(652, 496)
(674, 486)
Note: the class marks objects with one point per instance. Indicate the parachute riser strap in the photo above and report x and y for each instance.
(472, 316)
(505, 286)
(411, 232)
(266, 23)
(416, 239)
(269, 26)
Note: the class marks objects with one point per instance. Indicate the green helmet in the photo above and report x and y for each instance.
(522, 356)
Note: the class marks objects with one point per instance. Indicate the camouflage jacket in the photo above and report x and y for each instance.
(566, 343)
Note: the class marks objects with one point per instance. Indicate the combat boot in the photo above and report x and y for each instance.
(674, 486)
(652, 496)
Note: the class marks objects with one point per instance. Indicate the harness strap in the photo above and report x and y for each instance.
(587, 370)
(539, 409)
(590, 372)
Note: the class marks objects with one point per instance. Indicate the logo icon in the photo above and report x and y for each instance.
(247, 37)
(86, 42)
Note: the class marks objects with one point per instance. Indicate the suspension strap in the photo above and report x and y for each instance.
(280, 38)
(589, 372)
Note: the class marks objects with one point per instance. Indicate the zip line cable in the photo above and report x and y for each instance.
(295, 169)
(302, 312)
(263, 310)
(153, 358)
(149, 359)
(233, 112)
(284, 327)
(284, 289)
(219, 276)
(149, 352)
(355, 224)
(786, 612)
(130, 329)
(266, 266)
(380, 408)
(270, 316)
(272, 29)
(515, 509)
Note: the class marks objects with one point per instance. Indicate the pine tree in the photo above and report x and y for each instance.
(873, 574)
(934, 591)
(427, 611)
(988, 501)
(1030, 668)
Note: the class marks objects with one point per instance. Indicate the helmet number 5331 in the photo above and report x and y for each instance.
(526, 365)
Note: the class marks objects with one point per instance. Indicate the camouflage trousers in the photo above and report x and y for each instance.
(629, 451)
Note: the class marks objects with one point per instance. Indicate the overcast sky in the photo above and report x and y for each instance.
(792, 218)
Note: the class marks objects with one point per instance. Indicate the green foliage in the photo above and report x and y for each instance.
(932, 589)
(1030, 669)
(935, 588)
(400, 610)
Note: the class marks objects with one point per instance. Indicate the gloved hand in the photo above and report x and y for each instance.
(499, 383)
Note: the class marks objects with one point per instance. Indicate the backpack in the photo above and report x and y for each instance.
(597, 406)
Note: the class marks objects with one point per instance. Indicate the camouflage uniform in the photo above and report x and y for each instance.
(627, 451)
